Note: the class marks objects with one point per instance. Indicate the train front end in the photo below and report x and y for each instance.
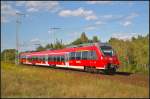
(110, 58)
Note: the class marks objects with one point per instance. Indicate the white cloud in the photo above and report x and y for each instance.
(35, 41)
(124, 36)
(33, 6)
(87, 14)
(90, 28)
(7, 11)
(131, 16)
(127, 20)
(107, 16)
(99, 2)
(32, 9)
(94, 26)
(91, 17)
(110, 2)
(111, 17)
(126, 23)
(99, 23)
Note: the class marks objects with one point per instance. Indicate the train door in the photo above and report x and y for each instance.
(67, 59)
(46, 59)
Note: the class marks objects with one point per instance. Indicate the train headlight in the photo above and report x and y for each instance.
(102, 57)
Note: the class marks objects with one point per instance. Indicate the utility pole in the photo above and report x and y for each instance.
(18, 22)
(54, 28)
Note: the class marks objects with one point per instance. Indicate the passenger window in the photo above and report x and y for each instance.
(62, 58)
(55, 59)
(89, 55)
(40, 58)
(78, 55)
(84, 55)
(58, 58)
(93, 55)
(51, 58)
(32, 57)
(43, 58)
(72, 56)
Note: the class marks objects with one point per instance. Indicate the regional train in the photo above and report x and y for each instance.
(89, 57)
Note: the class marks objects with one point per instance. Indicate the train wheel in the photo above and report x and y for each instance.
(53, 66)
(90, 69)
(113, 70)
(85, 68)
(93, 69)
(110, 71)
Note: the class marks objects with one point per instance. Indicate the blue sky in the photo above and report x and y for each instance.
(105, 19)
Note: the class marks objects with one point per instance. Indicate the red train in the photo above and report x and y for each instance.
(90, 57)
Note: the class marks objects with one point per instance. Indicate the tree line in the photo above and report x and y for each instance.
(134, 53)
(131, 53)
(59, 45)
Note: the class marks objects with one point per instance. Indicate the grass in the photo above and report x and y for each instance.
(135, 69)
(30, 81)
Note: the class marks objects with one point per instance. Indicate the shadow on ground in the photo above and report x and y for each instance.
(123, 73)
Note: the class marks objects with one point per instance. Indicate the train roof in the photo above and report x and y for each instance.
(67, 49)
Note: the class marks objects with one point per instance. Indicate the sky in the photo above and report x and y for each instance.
(43, 21)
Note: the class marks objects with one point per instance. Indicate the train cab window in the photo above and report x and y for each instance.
(78, 55)
(72, 56)
(84, 55)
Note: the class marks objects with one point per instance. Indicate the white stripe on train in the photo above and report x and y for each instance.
(69, 66)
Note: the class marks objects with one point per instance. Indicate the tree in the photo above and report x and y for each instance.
(8, 55)
(77, 41)
(84, 38)
(95, 39)
(49, 46)
(59, 44)
(137, 51)
(40, 48)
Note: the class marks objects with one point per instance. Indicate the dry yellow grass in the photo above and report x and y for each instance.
(30, 81)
